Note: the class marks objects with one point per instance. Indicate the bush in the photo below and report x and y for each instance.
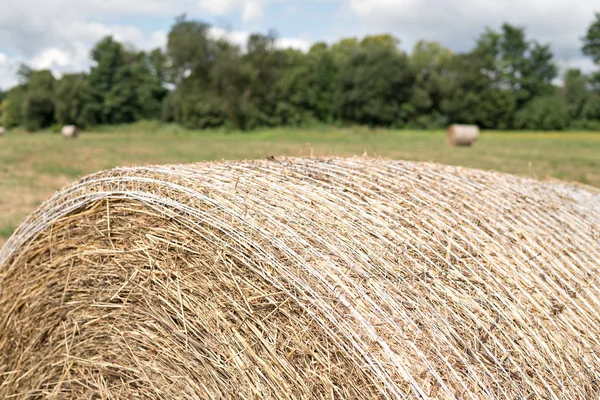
(547, 113)
(591, 108)
(38, 112)
(585, 125)
(201, 112)
(11, 107)
(434, 120)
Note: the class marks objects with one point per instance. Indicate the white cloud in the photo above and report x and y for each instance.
(236, 37)
(250, 9)
(582, 63)
(8, 70)
(59, 34)
(295, 43)
(51, 57)
(71, 50)
(457, 23)
(65, 47)
(241, 38)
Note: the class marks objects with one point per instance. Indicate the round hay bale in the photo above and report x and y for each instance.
(303, 278)
(2, 130)
(69, 131)
(462, 135)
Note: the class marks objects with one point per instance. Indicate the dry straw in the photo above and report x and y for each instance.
(304, 278)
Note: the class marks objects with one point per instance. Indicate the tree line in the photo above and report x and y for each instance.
(507, 81)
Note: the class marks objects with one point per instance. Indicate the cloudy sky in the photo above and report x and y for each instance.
(58, 34)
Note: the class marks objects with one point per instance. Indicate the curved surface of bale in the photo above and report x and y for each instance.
(462, 135)
(304, 278)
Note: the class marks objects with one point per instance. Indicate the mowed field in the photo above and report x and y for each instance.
(34, 166)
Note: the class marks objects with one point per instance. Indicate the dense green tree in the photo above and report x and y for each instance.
(374, 84)
(124, 85)
(11, 108)
(468, 95)
(518, 65)
(540, 71)
(574, 92)
(230, 77)
(343, 50)
(294, 89)
(72, 92)
(190, 51)
(430, 63)
(543, 113)
(505, 82)
(2, 96)
(38, 106)
(594, 82)
(306, 88)
(263, 62)
(24, 74)
(103, 79)
(591, 108)
(145, 75)
(321, 81)
(520, 69)
(591, 40)
(191, 58)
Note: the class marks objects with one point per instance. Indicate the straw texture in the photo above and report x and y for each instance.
(304, 278)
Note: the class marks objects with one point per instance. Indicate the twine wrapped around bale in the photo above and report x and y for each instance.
(304, 278)
(462, 135)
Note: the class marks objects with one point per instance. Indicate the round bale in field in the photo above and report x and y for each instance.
(462, 135)
(2, 130)
(304, 279)
(69, 131)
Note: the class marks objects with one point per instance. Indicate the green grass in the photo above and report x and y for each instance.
(5, 231)
(33, 166)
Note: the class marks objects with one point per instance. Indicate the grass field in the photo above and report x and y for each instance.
(33, 166)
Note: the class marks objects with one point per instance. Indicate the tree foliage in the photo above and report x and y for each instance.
(71, 94)
(543, 113)
(374, 84)
(12, 106)
(38, 105)
(200, 80)
(591, 40)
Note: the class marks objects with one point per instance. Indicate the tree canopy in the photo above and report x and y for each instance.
(507, 81)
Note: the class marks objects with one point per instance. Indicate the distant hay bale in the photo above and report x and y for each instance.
(462, 135)
(304, 278)
(2, 130)
(69, 131)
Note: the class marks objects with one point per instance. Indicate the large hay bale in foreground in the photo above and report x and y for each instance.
(462, 135)
(304, 278)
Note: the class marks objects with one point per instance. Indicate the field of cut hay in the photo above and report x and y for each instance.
(304, 278)
(34, 166)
